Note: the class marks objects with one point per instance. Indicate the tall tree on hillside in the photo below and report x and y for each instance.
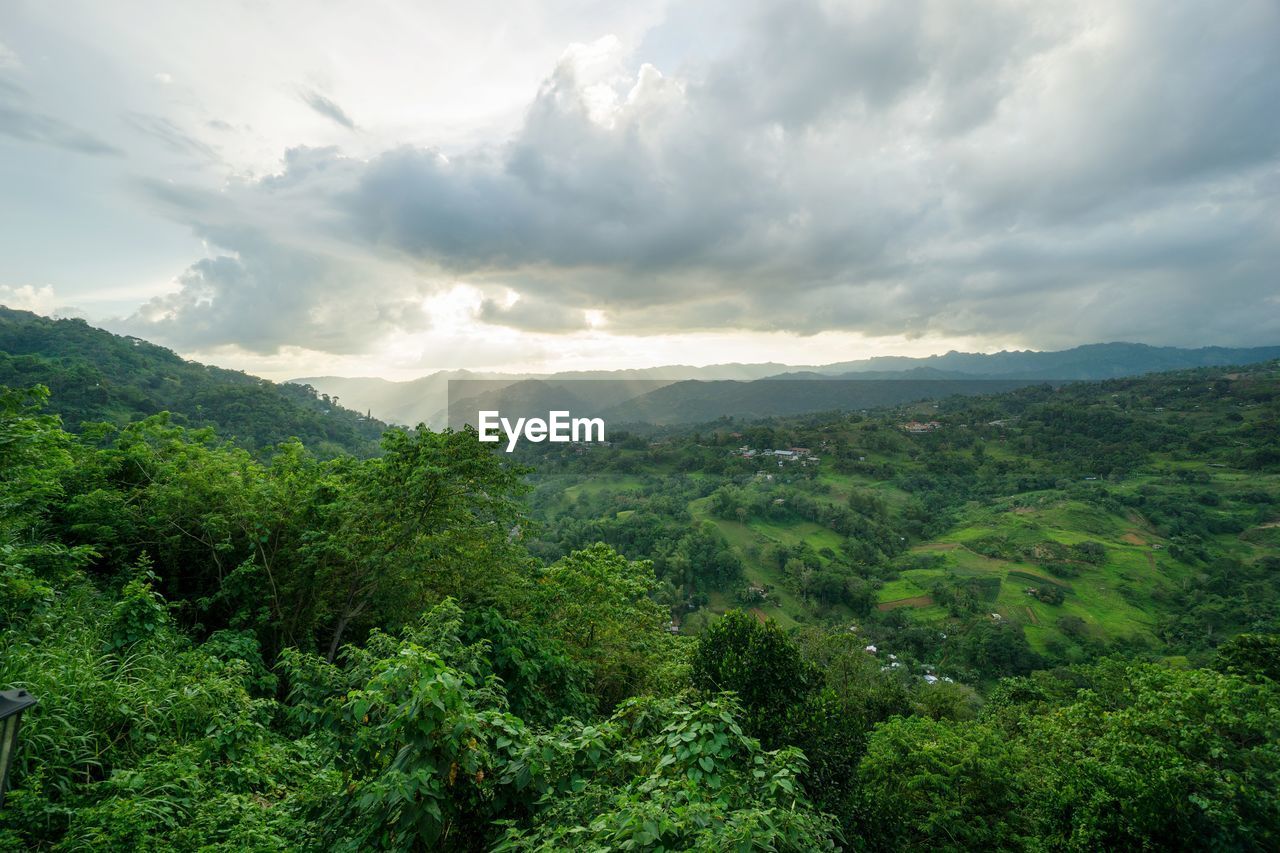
(436, 515)
(759, 663)
(598, 604)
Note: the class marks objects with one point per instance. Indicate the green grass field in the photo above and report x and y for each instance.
(1113, 600)
(598, 484)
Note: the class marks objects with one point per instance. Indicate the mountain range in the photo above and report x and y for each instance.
(683, 393)
(99, 376)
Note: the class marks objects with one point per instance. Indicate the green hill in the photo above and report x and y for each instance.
(97, 376)
(1083, 519)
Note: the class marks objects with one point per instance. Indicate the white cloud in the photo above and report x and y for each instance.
(29, 297)
(843, 169)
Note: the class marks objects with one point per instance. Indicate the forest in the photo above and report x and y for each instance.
(97, 376)
(1047, 622)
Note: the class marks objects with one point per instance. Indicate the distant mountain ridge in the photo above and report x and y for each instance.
(99, 376)
(1088, 361)
(424, 400)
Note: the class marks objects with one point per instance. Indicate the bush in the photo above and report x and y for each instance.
(758, 663)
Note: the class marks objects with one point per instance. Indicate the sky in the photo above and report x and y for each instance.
(391, 188)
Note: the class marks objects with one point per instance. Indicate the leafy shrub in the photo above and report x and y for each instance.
(758, 663)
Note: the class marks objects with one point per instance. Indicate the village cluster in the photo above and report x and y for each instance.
(929, 675)
(792, 454)
(918, 427)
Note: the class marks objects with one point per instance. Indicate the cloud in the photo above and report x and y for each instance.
(170, 136)
(273, 294)
(1052, 172)
(28, 297)
(531, 315)
(327, 108)
(46, 130)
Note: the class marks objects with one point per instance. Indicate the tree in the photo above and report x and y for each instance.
(994, 649)
(412, 525)
(1158, 757)
(542, 682)
(36, 460)
(761, 665)
(926, 784)
(666, 775)
(1251, 656)
(597, 603)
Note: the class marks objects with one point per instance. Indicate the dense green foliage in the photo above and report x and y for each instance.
(1112, 757)
(97, 376)
(760, 665)
(183, 612)
(272, 649)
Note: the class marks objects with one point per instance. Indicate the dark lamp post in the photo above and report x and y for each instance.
(12, 704)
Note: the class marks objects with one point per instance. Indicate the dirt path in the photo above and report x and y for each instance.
(1151, 561)
(1031, 614)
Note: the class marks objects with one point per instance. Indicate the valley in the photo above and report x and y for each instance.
(1082, 518)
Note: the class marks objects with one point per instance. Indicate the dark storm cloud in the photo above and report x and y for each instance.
(1058, 172)
(532, 315)
(327, 108)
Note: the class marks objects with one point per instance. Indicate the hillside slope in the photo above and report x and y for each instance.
(425, 399)
(95, 375)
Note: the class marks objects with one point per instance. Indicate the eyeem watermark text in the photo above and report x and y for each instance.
(558, 426)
